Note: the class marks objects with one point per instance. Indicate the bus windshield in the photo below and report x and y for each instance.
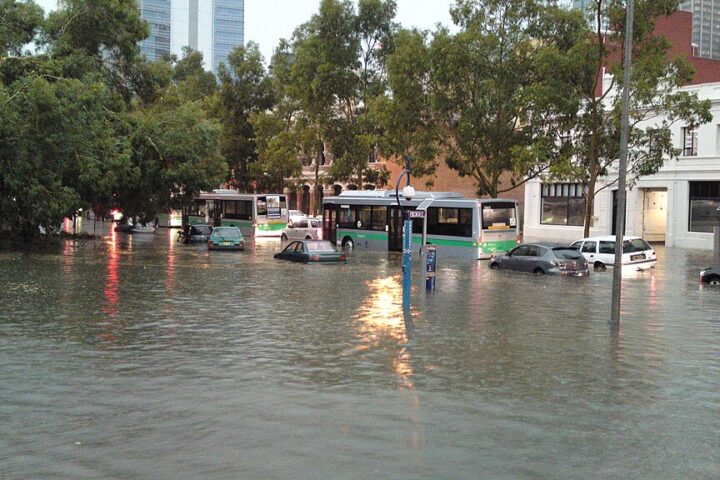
(498, 215)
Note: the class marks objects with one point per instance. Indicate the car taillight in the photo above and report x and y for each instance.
(343, 258)
(319, 234)
(518, 239)
(315, 258)
(209, 242)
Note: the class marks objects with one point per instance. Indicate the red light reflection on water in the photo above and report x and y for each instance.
(170, 275)
(111, 290)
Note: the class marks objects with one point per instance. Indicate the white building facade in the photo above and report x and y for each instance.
(678, 206)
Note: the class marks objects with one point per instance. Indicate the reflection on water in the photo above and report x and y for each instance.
(138, 357)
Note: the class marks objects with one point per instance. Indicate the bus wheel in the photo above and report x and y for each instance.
(599, 267)
(283, 237)
(348, 243)
(539, 271)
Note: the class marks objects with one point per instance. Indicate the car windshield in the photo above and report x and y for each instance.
(635, 245)
(320, 246)
(226, 232)
(567, 253)
(200, 230)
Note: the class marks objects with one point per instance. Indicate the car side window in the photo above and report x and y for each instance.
(535, 251)
(300, 224)
(607, 247)
(290, 248)
(299, 247)
(521, 251)
(577, 245)
(589, 247)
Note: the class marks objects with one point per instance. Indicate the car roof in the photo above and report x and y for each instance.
(609, 238)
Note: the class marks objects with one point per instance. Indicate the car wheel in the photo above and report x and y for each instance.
(348, 243)
(308, 237)
(539, 271)
(599, 267)
(283, 237)
(494, 266)
(714, 280)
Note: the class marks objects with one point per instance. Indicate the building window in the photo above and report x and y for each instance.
(704, 206)
(563, 204)
(690, 141)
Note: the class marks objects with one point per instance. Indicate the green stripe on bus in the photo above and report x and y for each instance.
(271, 227)
(498, 246)
(417, 239)
(229, 222)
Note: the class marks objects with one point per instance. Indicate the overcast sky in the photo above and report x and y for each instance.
(267, 21)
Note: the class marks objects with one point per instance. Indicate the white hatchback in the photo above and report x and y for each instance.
(600, 252)
(304, 229)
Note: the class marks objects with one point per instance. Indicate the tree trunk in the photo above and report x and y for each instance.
(589, 204)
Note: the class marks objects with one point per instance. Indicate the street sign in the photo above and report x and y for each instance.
(416, 213)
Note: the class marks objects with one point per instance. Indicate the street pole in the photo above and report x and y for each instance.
(407, 247)
(621, 196)
(407, 234)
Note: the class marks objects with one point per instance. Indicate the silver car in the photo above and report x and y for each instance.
(541, 259)
(304, 229)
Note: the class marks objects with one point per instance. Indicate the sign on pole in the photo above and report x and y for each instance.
(416, 213)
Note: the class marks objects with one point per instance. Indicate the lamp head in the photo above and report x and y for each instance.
(408, 193)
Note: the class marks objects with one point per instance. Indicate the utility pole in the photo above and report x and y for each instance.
(624, 139)
(408, 193)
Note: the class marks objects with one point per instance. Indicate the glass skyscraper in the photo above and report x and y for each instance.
(157, 14)
(706, 26)
(228, 29)
(213, 27)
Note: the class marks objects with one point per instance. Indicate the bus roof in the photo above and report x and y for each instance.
(230, 194)
(391, 194)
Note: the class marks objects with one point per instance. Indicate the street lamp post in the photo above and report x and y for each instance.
(408, 193)
(624, 134)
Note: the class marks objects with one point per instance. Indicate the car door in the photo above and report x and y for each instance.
(589, 251)
(297, 231)
(515, 258)
(606, 252)
(289, 251)
(531, 260)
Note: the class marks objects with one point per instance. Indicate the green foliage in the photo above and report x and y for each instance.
(19, 23)
(244, 89)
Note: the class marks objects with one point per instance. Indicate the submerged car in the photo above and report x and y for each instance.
(541, 259)
(600, 252)
(226, 238)
(305, 251)
(195, 233)
(710, 276)
(304, 229)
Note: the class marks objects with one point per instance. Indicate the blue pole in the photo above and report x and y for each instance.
(407, 262)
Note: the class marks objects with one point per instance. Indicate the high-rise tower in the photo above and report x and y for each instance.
(706, 26)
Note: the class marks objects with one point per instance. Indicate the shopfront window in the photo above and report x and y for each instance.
(563, 204)
(704, 206)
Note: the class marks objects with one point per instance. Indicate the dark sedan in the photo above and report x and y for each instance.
(306, 251)
(195, 234)
(710, 276)
(542, 259)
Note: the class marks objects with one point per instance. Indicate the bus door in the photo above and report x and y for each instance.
(395, 229)
(215, 210)
(330, 223)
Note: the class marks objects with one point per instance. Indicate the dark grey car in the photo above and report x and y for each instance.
(710, 276)
(541, 259)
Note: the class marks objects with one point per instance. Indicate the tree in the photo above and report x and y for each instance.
(655, 102)
(244, 89)
(19, 24)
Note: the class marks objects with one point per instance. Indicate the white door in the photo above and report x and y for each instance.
(654, 215)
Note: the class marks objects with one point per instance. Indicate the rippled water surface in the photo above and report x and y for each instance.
(139, 358)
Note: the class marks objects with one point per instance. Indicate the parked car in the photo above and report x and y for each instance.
(600, 252)
(304, 229)
(710, 276)
(226, 238)
(311, 251)
(541, 259)
(294, 216)
(195, 233)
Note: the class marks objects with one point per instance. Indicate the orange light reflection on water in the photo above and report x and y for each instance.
(382, 316)
(111, 290)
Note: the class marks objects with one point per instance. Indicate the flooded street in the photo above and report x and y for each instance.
(135, 357)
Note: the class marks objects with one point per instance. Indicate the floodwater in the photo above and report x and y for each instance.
(139, 358)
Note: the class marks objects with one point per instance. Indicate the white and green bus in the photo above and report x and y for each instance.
(457, 226)
(256, 215)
